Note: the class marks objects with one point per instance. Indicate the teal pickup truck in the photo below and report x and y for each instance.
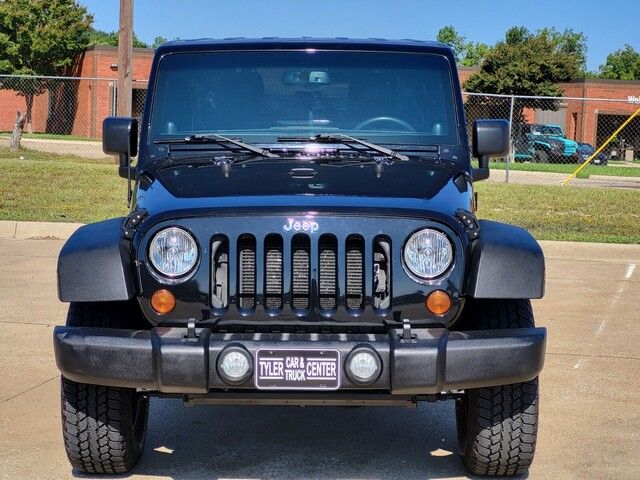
(544, 143)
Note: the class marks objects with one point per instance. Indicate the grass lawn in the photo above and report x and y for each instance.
(564, 213)
(610, 170)
(53, 188)
(52, 136)
(48, 187)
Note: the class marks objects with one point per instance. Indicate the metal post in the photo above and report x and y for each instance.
(512, 149)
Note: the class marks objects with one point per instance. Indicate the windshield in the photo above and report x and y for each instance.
(548, 130)
(258, 96)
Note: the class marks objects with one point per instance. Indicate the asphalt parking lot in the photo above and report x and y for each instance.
(590, 406)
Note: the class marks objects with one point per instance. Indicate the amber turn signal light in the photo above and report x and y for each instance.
(163, 301)
(438, 302)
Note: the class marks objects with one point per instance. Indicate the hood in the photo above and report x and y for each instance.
(417, 179)
(296, 183)
(566, 141)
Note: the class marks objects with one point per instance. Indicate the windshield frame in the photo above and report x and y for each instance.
(148, 140)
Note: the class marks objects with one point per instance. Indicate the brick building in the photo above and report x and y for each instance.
(594, 120)
(78, 106)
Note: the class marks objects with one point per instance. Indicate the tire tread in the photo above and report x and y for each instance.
(97, 423)
(500, 423)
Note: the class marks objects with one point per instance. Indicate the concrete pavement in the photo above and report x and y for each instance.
(590, 396)
(81, 148)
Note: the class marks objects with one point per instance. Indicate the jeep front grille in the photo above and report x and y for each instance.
(299, 274)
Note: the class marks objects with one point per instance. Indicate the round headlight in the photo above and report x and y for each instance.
(428, 254)
(173, 252)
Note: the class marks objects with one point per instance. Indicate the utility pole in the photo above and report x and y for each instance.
(125, 53)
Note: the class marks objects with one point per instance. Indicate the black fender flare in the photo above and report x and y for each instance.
(94, 264)
(506, 263)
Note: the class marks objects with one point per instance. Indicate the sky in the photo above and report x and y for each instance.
(607, 24)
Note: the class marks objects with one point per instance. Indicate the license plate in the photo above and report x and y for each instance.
(312, 369)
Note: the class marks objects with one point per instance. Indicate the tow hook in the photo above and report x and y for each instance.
(191, 329)
(407, 335)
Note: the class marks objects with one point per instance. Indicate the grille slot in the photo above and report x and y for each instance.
(219, 272)
(247, 272)
(327, 272)
(273, 272)
(300, 271)
(354, 250)
(382, 272)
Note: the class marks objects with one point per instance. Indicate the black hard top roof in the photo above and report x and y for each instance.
(338, 43)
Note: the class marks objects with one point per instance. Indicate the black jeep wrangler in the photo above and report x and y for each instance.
(302, 232)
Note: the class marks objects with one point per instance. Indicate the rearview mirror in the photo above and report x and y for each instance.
(306, 77)
(120, 137)
(490, 138)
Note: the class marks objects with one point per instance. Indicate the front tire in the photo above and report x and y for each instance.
(497, 426)
(103, 427)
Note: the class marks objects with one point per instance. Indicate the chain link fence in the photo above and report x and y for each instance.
(551, 137)
(63, 114)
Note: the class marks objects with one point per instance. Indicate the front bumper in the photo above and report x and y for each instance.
(434, 360)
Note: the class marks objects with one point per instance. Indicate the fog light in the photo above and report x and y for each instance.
(363, 366)
(235, 365)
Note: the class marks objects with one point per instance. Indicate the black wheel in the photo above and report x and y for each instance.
(497, 426)
(540, 157)
(103, 427)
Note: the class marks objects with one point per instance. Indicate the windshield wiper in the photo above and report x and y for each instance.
(346, 139)
(218, 139)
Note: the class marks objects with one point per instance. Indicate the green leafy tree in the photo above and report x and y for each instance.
(158, 41)
(449, 36)
(623, 64)
(527, 63)
(475, 53)
(100, 37)
(571, 43)
(40, 37)
(468, 54)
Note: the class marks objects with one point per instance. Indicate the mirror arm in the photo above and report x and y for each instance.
(481, 173)
(125, 170)
(478, 174)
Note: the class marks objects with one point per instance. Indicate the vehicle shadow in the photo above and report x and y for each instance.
(224, 442)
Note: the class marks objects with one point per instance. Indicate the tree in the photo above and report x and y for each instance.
(449, 36)
(475, 53)
(571, 43)
(100, 37)
(623, 64)
(468, 54)
(530, 64)
(158, 41)
(40, 37)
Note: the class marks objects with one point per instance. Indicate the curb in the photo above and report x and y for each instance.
(37, 230)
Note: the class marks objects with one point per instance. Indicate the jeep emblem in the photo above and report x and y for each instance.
(300, 225)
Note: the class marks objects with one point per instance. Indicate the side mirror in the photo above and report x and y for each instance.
(120, 137)
(490, 139)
